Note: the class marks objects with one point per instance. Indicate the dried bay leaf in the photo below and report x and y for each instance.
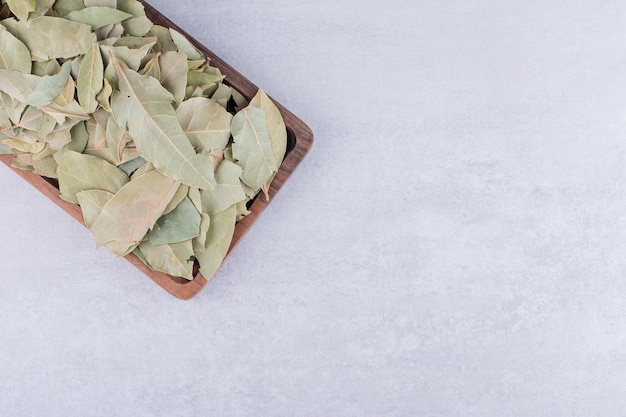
(173, 74)
(80, 137)
(242, 210)
(90, 79)
(195, 198)
(205, 122)
(66, 96)
(50, 37)
(156, 132)
(23, 161)
(45, 153)
(22, 8)
(134, 210)
(14, 55)
(227, 192)
(164, 39)
(179, 225)
(185, 46)
(102, 3)
(97, 144)
(132, 165)
(151, 67)
(63, 7)
(239, 99)
(175, 259)
(143, 169)
(91, 203)
(58, 138)
(41, 8)
(45, 167)
(50, 87)
(41, 68)
(218, 241)
(138, 24)
(104, 96)
(13, 108)
(117, 139)
(222, 95)
(71, 111)
(252, 147)
(203, 79)
(199, 241)
(110, 34)
(17, 85)
(22, 146)
(36, 120)
(136, 42)
(98, 16)
(131, 57)
(78, 172)
(180, 195)
(5, 122)
(276, 128)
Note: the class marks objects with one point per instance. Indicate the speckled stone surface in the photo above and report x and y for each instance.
(454, 245)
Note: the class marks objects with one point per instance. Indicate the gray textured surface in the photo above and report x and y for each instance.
(454, 245)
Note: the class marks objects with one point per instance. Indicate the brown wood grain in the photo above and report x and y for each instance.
(299, 131)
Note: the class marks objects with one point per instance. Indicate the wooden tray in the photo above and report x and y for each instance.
(300, 139)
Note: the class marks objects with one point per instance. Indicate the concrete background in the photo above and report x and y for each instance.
(454, 245)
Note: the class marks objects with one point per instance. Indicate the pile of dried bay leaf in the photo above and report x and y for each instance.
(137, 127)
